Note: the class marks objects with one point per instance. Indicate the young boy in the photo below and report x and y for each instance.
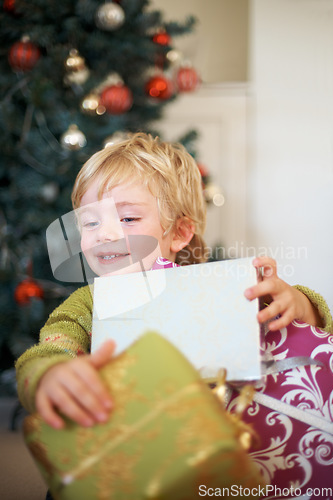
(138, 188)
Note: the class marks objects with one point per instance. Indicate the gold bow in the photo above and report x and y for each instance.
(246, 434)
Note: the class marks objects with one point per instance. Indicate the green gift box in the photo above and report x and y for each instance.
(167, 436)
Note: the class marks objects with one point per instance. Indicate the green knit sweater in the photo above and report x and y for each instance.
(67, 334)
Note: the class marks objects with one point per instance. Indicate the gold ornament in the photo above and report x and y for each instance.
(73, 138)
(77, 77)
(76, 69)
(74, 61)
(90, 103)
(100, 110)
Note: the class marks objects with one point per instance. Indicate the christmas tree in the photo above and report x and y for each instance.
(74, 75)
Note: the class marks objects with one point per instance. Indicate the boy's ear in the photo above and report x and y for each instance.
(183, 233)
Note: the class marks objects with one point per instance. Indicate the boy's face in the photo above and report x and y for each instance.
(122, 233)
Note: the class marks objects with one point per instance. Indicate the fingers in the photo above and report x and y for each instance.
(103, 355)
(281, 314)
(269, 312)
(267, 287)
(278, 296)
(79, 404)
(61, 399)
(268, 266)
(283, 302)
(75, 390)
(81, 407)
(281, 322)
(87, 386)
(269, 283)
(47, 411)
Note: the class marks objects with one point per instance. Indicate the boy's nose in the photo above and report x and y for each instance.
(111, 232)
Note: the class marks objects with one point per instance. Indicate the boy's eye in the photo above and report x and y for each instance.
(90, 225)
(129, 219)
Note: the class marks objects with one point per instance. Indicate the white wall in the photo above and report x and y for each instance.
(291, 164)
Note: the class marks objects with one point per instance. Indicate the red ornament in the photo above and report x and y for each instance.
(187, 79)
(159, 87)
(117, 99)
(23, 55)
(162, 38)
(26, 290)
(203, 170)
(9, 5)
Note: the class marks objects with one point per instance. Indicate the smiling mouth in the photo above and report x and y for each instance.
(107, 258)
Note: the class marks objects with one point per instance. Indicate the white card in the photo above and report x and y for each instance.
(200, 308)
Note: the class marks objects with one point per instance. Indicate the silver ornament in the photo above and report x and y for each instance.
(49, 191)
(174, 56)
(109, 16)
(115, 138)
(213, 194)
(73, 138)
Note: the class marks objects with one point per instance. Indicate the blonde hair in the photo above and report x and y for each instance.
(167, 170)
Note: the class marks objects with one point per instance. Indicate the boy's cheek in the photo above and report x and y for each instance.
(86, 245)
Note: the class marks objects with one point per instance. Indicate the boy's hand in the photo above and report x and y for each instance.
(283, 299)
(75, 389)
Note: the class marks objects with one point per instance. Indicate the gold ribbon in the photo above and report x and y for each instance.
(246, 435)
